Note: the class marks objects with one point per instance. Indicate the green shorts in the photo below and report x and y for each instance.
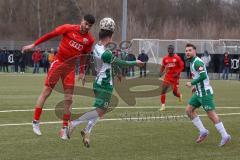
(102, 94)
(206, 102)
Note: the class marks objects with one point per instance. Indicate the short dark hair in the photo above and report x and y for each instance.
(89, 18)
(105, 33)
(191, 45)
(171, 47)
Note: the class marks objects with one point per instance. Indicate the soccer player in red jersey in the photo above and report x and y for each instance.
(172, 64)
(76, 42)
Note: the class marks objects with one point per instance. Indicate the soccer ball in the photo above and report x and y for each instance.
(107, 24)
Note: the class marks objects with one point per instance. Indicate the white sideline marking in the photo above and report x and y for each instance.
(82, 108)
(115, 119)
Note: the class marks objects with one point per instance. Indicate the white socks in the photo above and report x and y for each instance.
(85, 118)
(198, 123)
(91, 124)
(221, 129)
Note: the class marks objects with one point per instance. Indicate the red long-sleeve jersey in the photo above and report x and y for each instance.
(173, 66)
(36, 56)
(72, 44)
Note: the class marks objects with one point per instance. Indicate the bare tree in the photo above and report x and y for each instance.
(39, 18)
(29, 19)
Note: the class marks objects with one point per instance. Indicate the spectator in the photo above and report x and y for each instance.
(216, 61)
(22, 63)
(16, 57)
(123, 56)
(36, 57)
(115, 53)
(91, 66)
(5, 60)
(131, 70)
(51, 56)
(226, 66)
(206, 58)
(187, 67)
(1, 59)
(144, 58)
(45, 61)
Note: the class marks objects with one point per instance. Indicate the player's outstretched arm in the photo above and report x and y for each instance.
(107, 57)
(58, 31)
(140, 63)
(39, 41)
(120, 62)
(28, 48)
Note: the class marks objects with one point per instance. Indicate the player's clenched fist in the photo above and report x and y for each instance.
(188, 84)
(140, 63)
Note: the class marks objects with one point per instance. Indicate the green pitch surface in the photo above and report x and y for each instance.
(137, 132)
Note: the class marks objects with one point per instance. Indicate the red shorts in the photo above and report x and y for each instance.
(173, 82)
(61, 70)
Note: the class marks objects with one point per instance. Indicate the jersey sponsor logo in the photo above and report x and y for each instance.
(170, 65)
(85, 40)
(76, 45)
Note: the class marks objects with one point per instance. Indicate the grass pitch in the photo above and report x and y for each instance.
(118, 136)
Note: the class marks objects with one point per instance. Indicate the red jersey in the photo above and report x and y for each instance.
(173, 66)
(36, 56)
(73, 43)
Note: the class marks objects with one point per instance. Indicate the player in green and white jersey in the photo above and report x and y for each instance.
(203, 96)
(103, 84)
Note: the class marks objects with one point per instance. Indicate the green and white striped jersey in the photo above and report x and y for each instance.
(105, 63)
(202, 87)
(102, 65)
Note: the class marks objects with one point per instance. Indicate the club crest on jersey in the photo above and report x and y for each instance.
(74, 36)
(76, 45)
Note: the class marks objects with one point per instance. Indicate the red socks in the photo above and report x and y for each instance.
(37, 113)
(66, 118)
(163, 98)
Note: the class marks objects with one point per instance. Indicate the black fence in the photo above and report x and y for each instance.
(215, 65)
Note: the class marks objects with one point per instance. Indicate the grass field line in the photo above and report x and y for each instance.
(83, 108)
(119, 119)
